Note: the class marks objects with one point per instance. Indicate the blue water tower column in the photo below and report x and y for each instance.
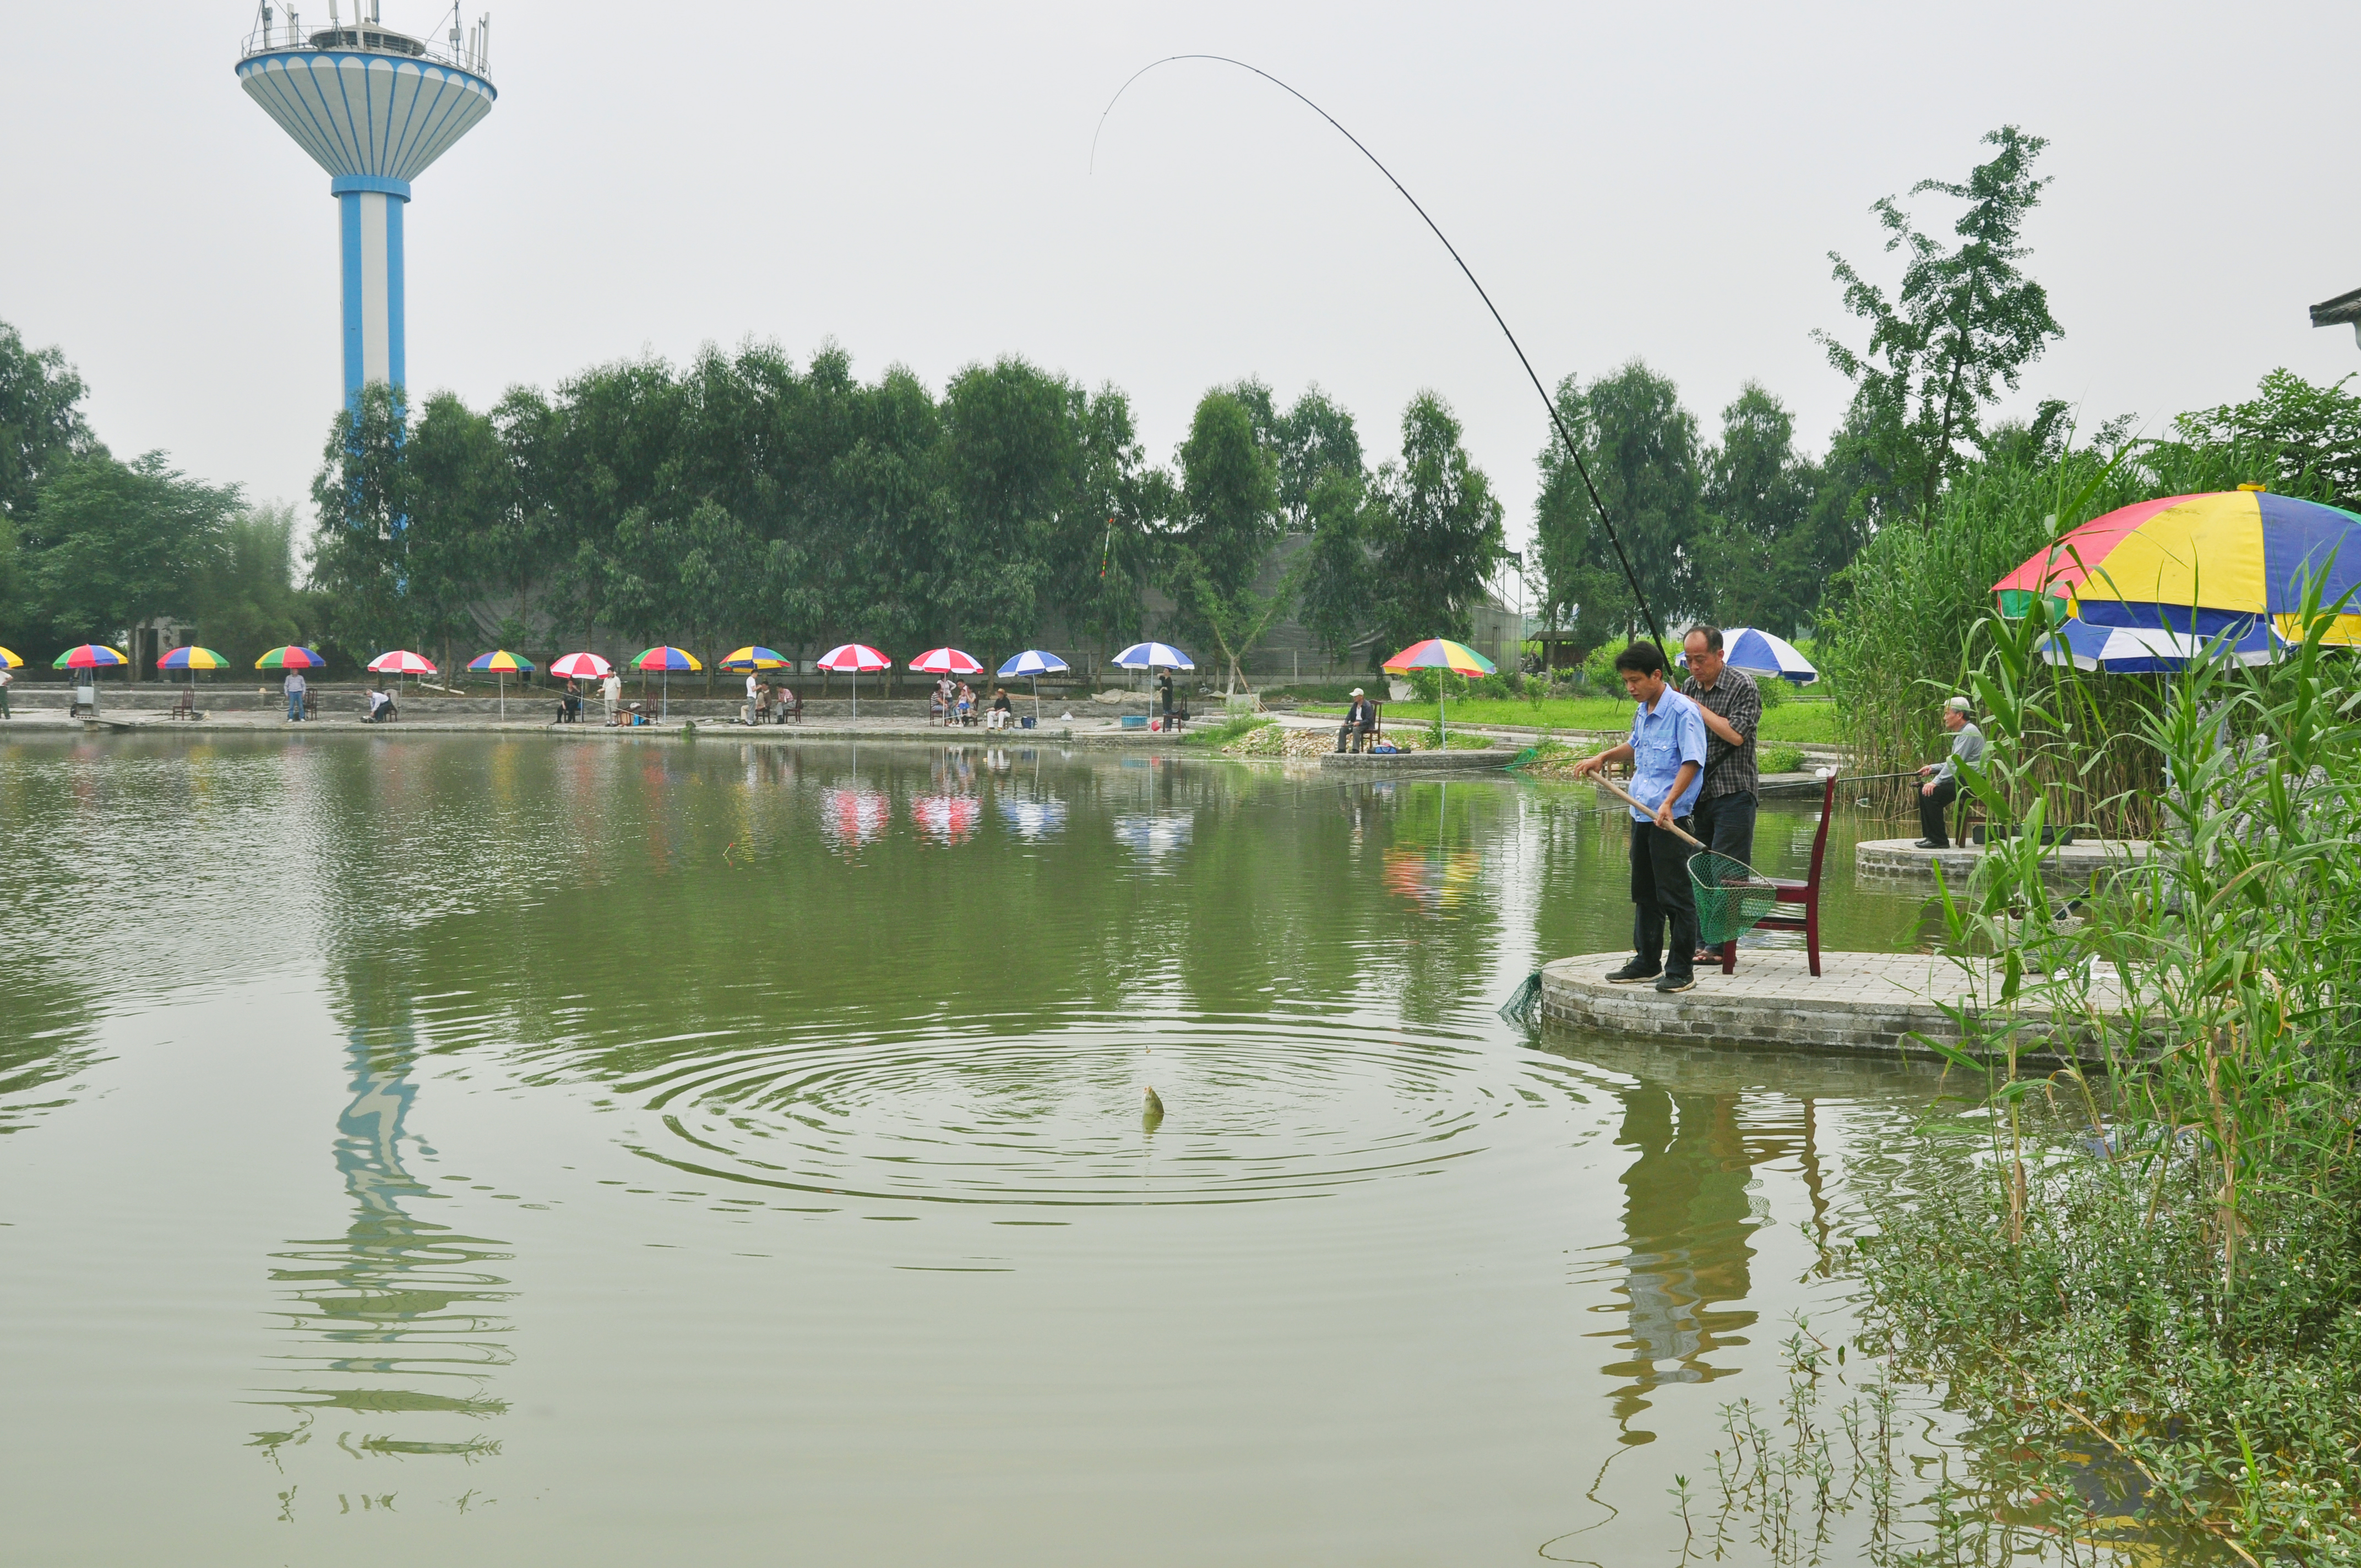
(369, 215)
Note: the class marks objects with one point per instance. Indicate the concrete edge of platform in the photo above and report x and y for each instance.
(1574, 994)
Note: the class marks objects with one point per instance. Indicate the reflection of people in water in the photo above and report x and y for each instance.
(1686, 1220)
(390, 1320)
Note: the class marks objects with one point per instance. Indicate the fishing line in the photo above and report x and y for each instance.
(1654, 626)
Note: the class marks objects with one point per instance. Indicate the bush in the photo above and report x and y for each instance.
(1781, 759)
(1776, 693)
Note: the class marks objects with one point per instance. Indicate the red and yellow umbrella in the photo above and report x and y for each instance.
(1441, 654)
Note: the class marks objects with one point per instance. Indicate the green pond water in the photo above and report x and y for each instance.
(471, 1150)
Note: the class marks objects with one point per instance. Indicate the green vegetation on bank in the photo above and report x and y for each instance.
(1797, 723)
(2145, 1296)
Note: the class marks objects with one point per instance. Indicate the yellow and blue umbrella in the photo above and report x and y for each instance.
(503, 664)
(10, 658)
(753, 657)
(664, 659)
(1441, 654)
(291, 658)
(2201, 565)
(89, 657)
(193, 658)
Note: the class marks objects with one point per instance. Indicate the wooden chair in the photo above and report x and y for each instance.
(1805, 893)
(186, 707)
(793, 708)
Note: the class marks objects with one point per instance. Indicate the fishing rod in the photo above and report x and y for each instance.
(1655, 628)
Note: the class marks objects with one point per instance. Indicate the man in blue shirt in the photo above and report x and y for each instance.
(1667, 755)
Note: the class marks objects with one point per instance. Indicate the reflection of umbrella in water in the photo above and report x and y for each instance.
(1033, 819)
(947, 819)
(852, 817)
(1438, 880)
(1151, 836)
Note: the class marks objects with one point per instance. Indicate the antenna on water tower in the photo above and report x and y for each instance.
(373, 108)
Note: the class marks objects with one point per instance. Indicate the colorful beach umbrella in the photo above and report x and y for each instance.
(10, 658)
(580, 667)
(1760, 653)
(947, 662)
(89, 657)
(853, 658)
(193, 658)
(1035, 663)
(754, 658)
(663, 659)
(503, 663)
(2154, 649)
(1441, 654)
(2202, 563)
(291, 658)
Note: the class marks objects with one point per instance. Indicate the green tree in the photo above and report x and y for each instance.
(1961, 326)
(1759, 561)
(1641, 448)
(360, 496)
(1229, 524)
(41, 426)
(126, 542)
(1440, 537)
(2311, 434)
(247, 603)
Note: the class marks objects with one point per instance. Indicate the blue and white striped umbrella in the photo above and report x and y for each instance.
(1033, 662)
(1760, 653)
(2150, 650)
(1154, 656)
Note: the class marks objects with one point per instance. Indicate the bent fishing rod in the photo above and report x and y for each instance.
(1655, 628)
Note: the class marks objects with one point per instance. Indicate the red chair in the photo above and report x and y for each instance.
(1805, 893)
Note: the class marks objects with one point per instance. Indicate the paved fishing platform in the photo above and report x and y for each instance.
(1861, 1004)
(1382, 763)
(1891, 861)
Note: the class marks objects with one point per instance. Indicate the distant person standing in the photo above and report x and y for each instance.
(611, 689)
(1164, 689)
(7, 679)
(1934, 796)
(294, 689)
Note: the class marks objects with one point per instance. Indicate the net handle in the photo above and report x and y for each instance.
(1610, 784)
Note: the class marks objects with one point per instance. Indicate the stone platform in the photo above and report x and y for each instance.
(1891, 860)
(1861, 1003)
(1418, 761)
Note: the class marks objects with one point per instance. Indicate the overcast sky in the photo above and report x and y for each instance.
(913, 181)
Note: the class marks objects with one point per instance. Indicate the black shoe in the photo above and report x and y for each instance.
(1674, 983)
(1929, 844)
(1633, 973)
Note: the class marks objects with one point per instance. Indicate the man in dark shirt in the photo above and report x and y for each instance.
(1360, 723)
(1732, 706)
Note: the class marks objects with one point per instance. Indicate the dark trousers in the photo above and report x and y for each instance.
(1659, 892)
(1726, 823)
(1932, 808)
(1357, 734)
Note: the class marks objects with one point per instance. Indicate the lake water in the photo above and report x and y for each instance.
(527, 1151)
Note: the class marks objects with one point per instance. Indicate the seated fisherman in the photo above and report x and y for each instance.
(1360, 722)
(380, 706)
(1934, 796)
(998, 717)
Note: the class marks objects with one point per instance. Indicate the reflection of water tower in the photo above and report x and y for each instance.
(373, 107)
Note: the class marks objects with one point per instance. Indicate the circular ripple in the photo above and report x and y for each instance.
(1254, 1110)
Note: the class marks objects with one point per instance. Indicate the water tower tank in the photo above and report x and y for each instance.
(373, 107)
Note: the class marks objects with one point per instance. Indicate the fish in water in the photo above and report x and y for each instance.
(1151, 1112)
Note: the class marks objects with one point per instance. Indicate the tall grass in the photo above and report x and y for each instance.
(1894, 640)
(2150, 1297)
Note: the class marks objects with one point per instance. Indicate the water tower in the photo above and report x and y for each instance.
(373, 107)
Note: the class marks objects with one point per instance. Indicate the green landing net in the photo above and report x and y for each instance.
(1729, 896)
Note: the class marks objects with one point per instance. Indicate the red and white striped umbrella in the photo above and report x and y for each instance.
(402, 662)
(946, 662)
(580, 667)
(853, 658)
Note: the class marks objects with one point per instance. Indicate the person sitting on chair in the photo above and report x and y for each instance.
(569, 706)
(783, 702)
(1360, 723)
(1936, 794)
(966, 704)
(380, 706)
(1000, 710)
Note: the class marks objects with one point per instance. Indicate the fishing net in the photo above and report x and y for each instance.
(1523, 1009)
(1729, 896)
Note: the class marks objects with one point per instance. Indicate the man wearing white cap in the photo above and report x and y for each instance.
(1360, 721)
(1936, 794)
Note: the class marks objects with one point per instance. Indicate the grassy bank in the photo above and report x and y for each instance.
(1792, 723)
(2145, 1296)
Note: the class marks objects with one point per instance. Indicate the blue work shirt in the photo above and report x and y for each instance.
(1660, 741)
